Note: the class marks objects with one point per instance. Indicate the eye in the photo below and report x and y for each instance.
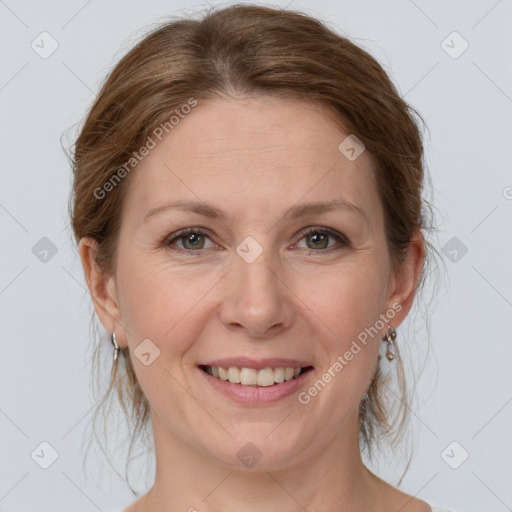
(193, 240)
(192, 237)
(320, 239)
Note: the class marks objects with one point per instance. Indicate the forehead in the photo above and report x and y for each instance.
(253, 152)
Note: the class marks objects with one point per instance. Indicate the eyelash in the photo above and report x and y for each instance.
(341, 239)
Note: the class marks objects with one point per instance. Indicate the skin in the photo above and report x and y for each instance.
(255, 158)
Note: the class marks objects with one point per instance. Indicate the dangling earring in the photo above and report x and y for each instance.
(390, 338)
(116, 346)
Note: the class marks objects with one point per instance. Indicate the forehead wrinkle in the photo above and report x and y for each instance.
(228, 152)
(296, 212)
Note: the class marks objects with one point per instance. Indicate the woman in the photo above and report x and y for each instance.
(247, 203)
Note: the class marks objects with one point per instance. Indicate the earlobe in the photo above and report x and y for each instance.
(406, 277)
(101, 286)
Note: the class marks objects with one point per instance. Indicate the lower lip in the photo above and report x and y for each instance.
(261, 395)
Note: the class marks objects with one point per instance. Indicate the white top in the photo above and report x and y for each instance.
(434, 509)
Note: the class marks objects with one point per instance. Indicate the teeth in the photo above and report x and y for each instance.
(265, 377)
(234, 375)
(279, 374)
(253, 377)
(248, 377)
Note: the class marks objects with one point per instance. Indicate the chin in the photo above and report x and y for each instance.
(259, 452)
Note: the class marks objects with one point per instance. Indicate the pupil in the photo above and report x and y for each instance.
(319, 235)
(191, 237)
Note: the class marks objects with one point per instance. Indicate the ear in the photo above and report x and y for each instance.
(102, 288)
(404, 280)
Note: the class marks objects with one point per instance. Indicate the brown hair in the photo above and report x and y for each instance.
(246, 50)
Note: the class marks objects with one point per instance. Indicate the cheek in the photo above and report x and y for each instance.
(345, 302)
(348, 311)
(160, 303)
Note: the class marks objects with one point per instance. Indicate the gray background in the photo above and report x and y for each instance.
(464, 393)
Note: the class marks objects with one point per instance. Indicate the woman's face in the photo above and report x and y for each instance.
(259, 280)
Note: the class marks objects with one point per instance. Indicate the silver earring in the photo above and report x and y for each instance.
(390, 338)
(116, 346)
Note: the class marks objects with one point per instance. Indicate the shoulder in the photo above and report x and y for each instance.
(417, 505)
(393, 498)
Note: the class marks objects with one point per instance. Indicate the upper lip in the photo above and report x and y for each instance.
(258, 364)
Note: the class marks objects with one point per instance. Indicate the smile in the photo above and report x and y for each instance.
(255, 378)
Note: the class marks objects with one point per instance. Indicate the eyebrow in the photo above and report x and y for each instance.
(295, 212)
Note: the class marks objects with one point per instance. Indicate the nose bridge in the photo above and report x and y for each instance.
(256, 298)
(256, 268)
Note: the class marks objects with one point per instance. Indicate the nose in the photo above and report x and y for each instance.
(256, 300)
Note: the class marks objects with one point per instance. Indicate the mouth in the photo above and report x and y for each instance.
(255, 378)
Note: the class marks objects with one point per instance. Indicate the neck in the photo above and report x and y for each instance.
(333, 478)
